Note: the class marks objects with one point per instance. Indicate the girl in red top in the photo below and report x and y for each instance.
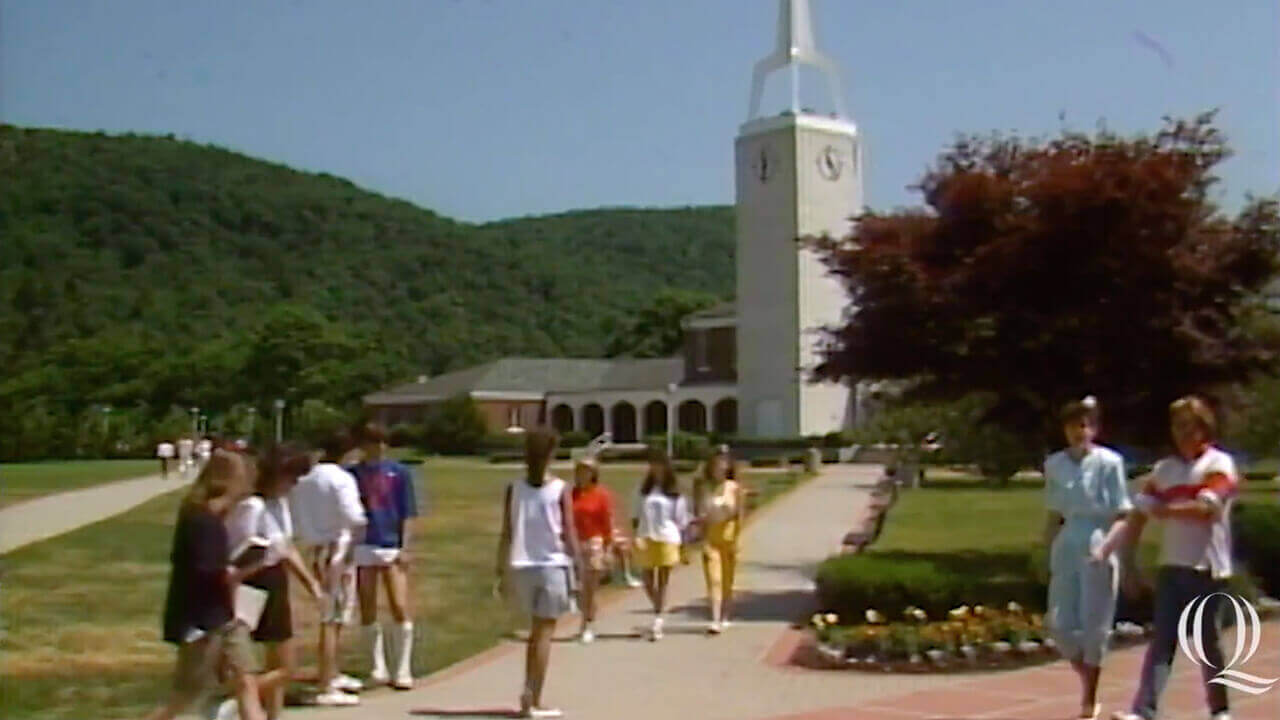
(593, 517)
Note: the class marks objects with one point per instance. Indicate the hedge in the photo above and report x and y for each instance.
(1255, 530)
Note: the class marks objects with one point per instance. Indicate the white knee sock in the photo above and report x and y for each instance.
(402, 652)
(374, 646)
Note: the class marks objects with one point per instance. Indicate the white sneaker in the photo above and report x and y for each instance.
(536, 712)
(633, 581)
(336, 698)
(346, 683)
(1126, 715)
(715, 628)
(586, 637)
(725, 624)
(655, 633)
(226, 710)
(1221, 716)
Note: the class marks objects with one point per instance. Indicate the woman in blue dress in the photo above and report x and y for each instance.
(1087, 499)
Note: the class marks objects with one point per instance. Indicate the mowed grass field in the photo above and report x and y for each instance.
(81, 612)
(24, 481)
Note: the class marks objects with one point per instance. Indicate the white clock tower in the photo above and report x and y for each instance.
(798, 174)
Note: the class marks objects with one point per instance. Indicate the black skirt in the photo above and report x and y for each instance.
(276, 624)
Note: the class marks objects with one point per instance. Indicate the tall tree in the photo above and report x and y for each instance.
(655, 330)
(1040, 272)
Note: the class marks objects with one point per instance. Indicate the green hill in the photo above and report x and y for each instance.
(147, 272)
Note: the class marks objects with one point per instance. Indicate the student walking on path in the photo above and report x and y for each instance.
(594, 521)
(662, 516)
(719, 509)
(327, 517)
(1087, 500)
(265, 516)
(1192, 492)
(382, 558)
(537, 554)
(198, 614)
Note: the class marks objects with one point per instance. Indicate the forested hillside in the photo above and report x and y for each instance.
(139, 274)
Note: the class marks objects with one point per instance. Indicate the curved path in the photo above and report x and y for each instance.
(50, 515)
(743, 675)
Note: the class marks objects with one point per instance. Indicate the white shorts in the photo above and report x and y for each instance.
(339, 586)
(374, 556)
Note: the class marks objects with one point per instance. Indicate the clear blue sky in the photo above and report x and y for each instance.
(484, 109)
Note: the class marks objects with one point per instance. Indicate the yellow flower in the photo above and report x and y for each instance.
(874, 617)
(978, 610)
(919, 614)
(1015, 607)
(831, 618)
(960, 612)
(816, 620)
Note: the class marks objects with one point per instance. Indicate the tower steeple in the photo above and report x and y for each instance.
(795, 47)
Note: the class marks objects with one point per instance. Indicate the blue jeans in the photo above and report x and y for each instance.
(1176, 587)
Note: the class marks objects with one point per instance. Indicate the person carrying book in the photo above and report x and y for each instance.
(199, 617)
(265, 516)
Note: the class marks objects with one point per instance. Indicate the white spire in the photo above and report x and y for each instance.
(795, 47)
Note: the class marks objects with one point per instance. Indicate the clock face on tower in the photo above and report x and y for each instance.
(764, 164)
(830, 163)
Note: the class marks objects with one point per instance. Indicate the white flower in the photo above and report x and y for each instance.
(816, 620)
(960, 612)
(1014, 607)
(919, 614)
(874, 617)
(831, 618)
(1089, 402)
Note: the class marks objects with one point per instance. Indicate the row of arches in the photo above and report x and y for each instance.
(629, 425)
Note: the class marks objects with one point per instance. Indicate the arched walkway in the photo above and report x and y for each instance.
(562, 418)
(692, 417)
(593, 419)
(655, 418)
(624, 422)
(725, 416)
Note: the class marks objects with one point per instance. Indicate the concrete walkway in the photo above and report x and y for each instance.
(51, 515)
(744, 674)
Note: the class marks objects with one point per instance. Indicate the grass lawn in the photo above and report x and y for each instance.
(958, 521)
(81, 612)
(23, 481)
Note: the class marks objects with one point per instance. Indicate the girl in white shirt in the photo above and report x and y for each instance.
(266, 516)
(662, 515)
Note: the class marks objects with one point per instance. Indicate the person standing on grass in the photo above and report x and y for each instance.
(662, 516)
(593, 519)
(165, 452)
(266, 516)
(198, 614)
(538, 552)
(382, 556)
(1087, 499)
(327, 517)
(719, 507)
(186, 447)
(1192, 492)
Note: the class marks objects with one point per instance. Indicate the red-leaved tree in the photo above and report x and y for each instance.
(1039, 272)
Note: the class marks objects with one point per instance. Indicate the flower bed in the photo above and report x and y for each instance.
(968, 639)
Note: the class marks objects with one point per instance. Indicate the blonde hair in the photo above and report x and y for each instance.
(225, 474)
(1199, 410)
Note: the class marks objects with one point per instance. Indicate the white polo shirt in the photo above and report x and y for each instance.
(326, 505)
(1200, 544)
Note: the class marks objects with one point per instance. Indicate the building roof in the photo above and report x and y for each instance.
(537, 376)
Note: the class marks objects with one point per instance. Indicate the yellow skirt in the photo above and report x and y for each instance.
(655, 554)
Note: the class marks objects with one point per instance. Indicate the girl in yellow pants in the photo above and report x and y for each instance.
(719, 507)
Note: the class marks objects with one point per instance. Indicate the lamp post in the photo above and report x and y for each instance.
(671, 414)
(253, 416)
(106, 421)
(195, 421)
(204, 425)
(279, 420)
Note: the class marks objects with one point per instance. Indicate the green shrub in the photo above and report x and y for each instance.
(405, 435)
(685, 466)
(764, 462)
(574, 438)
(502, 442)
(1256, 535)
(849, 585)
(506, 457)
(1258, 475)
(685, 446)
(455, 427)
